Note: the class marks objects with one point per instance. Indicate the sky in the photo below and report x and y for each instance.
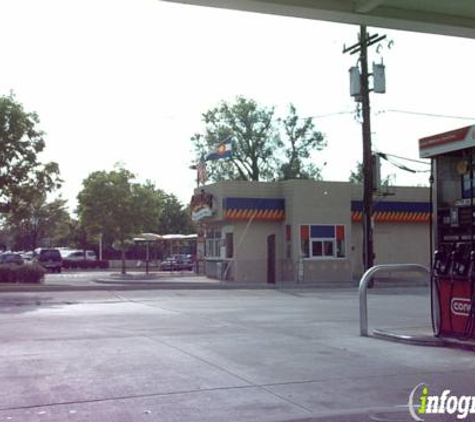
(128, 80)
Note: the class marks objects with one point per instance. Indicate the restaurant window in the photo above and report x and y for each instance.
(322, 241)
(213, 243)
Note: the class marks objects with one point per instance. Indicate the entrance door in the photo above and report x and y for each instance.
(271, 259)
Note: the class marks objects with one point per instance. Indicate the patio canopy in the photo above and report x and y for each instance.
(150, 237)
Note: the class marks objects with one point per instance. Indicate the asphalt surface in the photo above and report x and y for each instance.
(216, 355)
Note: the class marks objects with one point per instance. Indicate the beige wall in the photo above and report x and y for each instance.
(394, 243)
(310, 202)
(393, 194)
(250, 240)
(250, 250)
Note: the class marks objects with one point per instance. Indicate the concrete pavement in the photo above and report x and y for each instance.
(214, 355)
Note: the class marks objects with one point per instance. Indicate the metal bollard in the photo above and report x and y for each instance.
(368, 275)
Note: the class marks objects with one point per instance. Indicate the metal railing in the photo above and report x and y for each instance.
(368, 275)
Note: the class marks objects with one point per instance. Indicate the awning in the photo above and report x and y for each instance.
(150, 237)
(147, 237)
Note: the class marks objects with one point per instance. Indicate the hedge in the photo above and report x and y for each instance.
(85, 263)
(26, 273)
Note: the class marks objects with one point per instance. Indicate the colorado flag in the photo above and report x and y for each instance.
(223, 150)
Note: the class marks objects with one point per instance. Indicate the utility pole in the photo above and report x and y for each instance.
(366, 40)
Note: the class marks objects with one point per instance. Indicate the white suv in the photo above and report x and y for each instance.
(79, 255)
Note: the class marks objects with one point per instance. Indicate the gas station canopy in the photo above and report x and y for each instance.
(445, 17)
(446, 142)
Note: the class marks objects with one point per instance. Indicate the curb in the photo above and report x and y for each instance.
(115, 283)
(174, 284)
(107, 285)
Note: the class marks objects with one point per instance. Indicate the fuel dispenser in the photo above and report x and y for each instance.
(452, 229)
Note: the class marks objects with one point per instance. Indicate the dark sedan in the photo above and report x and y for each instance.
(11, 258)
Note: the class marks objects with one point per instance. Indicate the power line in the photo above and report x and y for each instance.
(405, 158)
(418, 113)
(319, 116)
(329, 114)
(391, 110)
(399, 165)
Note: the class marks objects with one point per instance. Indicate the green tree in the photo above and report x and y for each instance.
(78, 237)
(254, 140)
(149, 203)
(20, 143)
(264, 147)
(357, 176)
(37, 222)
(106, 204)
(174, 217)
(114, 205)
(163, 213)
(301, 140)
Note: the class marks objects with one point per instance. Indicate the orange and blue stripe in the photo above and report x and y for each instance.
(262, 209)
(394, 212)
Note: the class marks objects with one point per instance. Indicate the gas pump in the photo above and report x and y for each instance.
(453, 218)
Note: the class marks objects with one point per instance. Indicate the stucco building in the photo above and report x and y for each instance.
(304, 232)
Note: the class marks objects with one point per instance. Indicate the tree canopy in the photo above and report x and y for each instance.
(37, 221)
(357, 177)
(264, 147)
(111, 203)
(173, 217)
(114, 205)
(20, 144)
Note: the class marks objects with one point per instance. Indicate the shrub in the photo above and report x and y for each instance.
(103, 264)
(69, 263)
(82, 264)
(7, 273)
(86, 263)
(29, 273)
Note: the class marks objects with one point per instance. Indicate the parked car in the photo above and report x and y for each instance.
(77, 255)
(50, 259)
(65, 252)
(177, 263)
(11, 258)
(27, 257)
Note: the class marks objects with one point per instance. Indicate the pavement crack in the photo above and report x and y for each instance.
(128, 397)
(251, 384)
(142, 303)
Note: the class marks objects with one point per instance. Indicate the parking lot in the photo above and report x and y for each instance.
(214, 355)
